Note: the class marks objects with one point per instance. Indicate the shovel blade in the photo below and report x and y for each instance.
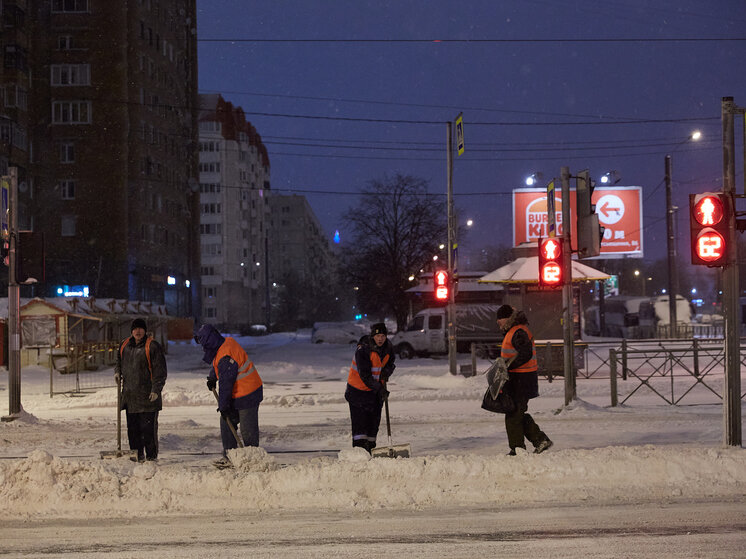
(109, 454)
(396, 451)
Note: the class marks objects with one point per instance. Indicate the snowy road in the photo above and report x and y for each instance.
(691, 529)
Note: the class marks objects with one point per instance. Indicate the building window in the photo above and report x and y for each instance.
(15, 57)
(16, 96)
(68, 225)
(210, 291)
(67, 189)
(69, 6)
(209, 126)
(67, 152)
(71, 74)
(210, 312)
(65, 42)
(71, 112)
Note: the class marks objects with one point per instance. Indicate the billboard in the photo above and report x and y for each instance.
(619, 210)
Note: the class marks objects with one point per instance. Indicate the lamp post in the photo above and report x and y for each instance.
(673, 282)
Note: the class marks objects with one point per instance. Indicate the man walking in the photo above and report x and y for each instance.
(523, 383)
(141, 367)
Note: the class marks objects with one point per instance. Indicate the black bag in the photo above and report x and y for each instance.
(502, 404)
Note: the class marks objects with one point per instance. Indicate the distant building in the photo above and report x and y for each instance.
(112, 182)
(234, 216)
(299, 250)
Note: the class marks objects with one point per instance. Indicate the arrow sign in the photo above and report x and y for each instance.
(605, 209)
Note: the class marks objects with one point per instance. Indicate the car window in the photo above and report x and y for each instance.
(417, 324)
(434, 322)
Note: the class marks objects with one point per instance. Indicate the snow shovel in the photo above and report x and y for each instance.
(118, 453)
(391, 451)
(239, 441)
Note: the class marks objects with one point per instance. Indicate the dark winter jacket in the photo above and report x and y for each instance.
(371, 399)
(211, 341)
(137, 379)
(523, 385)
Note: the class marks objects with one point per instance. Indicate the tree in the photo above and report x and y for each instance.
(396, 227)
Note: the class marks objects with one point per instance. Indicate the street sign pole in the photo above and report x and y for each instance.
(732, 388)
(451, 243)
(567, 324)
(14, 314)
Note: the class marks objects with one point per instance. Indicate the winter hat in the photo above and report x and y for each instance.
(139, 323)
(378, 328)
(505, 311)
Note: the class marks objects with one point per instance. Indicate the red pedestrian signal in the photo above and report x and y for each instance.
(708, 222)
(551, 273)
(440, 278)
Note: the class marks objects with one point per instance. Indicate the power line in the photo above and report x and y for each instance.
(481, 41)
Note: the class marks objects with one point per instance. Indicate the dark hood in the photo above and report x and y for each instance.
(210, 340)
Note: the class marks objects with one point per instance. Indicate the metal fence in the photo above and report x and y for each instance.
(678, 371)
(82, 368)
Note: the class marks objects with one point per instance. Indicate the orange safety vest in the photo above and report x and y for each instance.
(507, 351)
(353, 379)
(147, 351)
(248, 379)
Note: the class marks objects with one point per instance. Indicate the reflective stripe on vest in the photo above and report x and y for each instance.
(248, 379)
(507, 351)
(353, 379)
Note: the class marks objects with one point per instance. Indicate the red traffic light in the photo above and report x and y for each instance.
(551, 273)
(709, 245)
(708, 225)
(440, 278)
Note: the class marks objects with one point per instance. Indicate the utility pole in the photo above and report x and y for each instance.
(732, 395)
(672, 279)
(451, 242)
(14, 312)
(567, 324)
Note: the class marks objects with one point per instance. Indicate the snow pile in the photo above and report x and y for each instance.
(47, 486)
(252, 459)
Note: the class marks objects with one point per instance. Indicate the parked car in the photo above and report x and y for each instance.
(338, 332)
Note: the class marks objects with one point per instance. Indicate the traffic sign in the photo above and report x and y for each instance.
(619, 210)
(460, 133)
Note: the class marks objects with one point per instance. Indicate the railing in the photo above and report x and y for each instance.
(671, 369)
(79, 368)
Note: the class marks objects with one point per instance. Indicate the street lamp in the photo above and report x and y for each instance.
(671, 241)
(610, 178)
(534, 178)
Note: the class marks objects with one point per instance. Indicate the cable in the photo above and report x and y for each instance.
(482, 41)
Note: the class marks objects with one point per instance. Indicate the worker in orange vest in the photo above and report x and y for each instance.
(366, 385)
(519, 349)
(240, 388)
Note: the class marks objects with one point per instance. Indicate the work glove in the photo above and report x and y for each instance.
(153, 396)
(383, 394)
(211, 383)
(116, 378)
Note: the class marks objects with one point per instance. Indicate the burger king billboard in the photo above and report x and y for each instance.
(619, 210)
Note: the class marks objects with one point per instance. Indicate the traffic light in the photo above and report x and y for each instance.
(588, 230)
(440, 278)
(551, 273)
(708, 222)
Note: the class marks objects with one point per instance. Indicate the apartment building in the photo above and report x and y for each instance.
(112, 143)
(234, 181)
(300, 255)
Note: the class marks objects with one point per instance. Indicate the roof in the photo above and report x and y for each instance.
(526, 270)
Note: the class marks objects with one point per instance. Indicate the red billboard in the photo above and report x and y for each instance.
(619, 210)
